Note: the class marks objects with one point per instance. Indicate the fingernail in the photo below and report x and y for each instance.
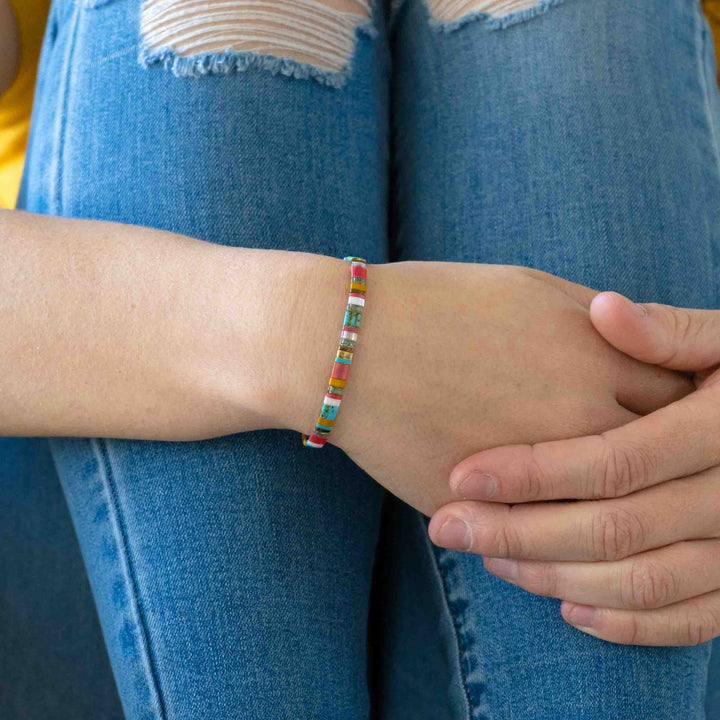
(478, 486)
(502, 567)
(582, 615)
(454, 534)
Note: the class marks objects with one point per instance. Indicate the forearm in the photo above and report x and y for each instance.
(118, 331)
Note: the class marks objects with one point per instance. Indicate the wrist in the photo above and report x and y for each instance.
(311, 327)
(311, 309)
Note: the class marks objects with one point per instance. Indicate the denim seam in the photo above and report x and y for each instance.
(442, 573)
(119, 529)
(701, 43)
(229, 61)
(61, 122)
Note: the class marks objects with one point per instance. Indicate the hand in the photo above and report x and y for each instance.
(451, 355)
(637, 559)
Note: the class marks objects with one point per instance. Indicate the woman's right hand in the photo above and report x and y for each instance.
(454, 358)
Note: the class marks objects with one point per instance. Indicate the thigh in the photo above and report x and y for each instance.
(579, 138)
(232, 575)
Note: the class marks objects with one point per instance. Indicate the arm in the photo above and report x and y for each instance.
(9, 45)
(120, 331)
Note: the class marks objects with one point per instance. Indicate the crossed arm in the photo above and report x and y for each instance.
(121, 331)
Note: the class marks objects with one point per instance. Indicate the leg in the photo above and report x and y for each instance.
(579, 138)
(231, 576)
(53, 661)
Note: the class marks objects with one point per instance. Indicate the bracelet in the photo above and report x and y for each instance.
(343, 356)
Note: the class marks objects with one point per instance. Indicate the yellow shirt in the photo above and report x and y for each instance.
(712, 11)
(16, 103)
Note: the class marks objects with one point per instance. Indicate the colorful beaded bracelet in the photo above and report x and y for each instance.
(343, 356)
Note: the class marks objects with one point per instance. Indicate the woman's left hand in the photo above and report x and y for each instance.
(637, 559)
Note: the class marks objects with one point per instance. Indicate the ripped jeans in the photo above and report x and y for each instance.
(247, 577)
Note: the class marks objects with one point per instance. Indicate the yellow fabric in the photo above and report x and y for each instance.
(16, 103)
(712, 11)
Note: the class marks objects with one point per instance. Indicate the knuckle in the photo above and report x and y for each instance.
(622, 469)
(533, 479)
(539, 578)
(649, 585)
(615, 533)
(682, 327)
(699, 626)
(631, 631)
(507, 541)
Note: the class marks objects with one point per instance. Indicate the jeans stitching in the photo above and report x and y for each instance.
(119, 528)
(702, 48)
(463, 662)
(61, 129)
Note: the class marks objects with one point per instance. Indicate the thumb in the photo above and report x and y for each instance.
(676, 338)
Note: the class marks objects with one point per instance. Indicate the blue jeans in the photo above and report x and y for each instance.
(247, 577)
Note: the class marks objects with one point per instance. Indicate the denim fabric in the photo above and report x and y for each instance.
(53, 661)
(233, 577)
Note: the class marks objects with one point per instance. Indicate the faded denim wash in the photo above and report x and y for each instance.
(233, 577)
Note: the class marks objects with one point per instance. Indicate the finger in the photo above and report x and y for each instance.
(586, 530)
(652, 579)
(675, 441)
(676, 338)
(644, 388)
(641, 388)
(689, 622)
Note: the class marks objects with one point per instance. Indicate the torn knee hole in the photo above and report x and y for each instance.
(451, 11)
(320, 33)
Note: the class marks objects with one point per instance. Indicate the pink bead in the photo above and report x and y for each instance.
(341, 371)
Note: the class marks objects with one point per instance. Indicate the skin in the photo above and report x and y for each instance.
(144, 343)
(118, 331)
(457, 357)
(637, 559)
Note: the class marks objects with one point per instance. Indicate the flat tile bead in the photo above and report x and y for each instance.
(314, 441)
(340, 371)
(344, 354)
(352, 319)
(329, 412)
(337, 382)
